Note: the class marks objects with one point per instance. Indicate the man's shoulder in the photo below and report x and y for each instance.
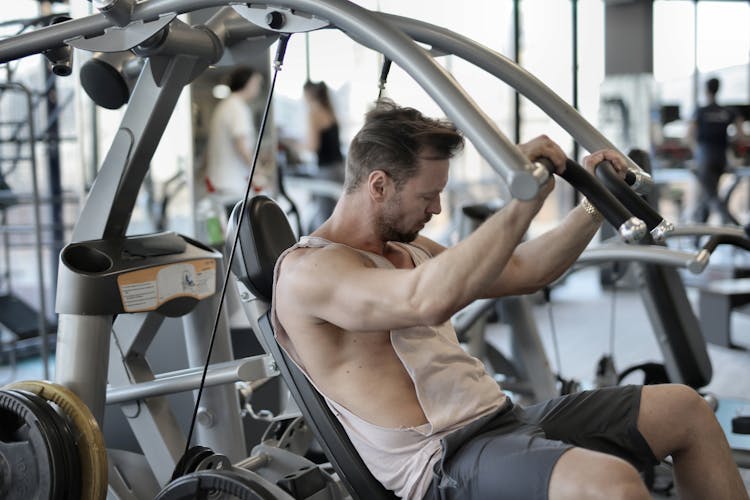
(306, 274)
(309, 259)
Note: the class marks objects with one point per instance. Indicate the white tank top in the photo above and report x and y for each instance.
(452, 387)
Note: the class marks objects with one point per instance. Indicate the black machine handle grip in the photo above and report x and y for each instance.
(632, 201)
(630, 228)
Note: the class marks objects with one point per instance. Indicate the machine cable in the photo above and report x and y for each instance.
(383, 77)
(606, 373)
(278, 61)
(567, 385)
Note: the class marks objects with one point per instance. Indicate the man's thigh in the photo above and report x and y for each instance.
(604, 420)
(499, 466)
(513, 454)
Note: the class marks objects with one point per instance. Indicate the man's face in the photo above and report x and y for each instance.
(407, 210)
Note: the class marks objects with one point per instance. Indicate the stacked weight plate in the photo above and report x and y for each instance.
(50, 445)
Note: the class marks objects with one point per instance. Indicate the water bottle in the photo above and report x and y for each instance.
(211, 218)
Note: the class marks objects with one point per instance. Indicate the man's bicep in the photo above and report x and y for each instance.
(347, 293)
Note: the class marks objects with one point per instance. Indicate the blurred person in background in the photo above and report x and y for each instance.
(323, 140)
(232, 137)
(707, 133)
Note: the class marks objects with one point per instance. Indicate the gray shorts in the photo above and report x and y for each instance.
(510, 454)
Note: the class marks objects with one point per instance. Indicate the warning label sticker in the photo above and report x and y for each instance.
(147, 289)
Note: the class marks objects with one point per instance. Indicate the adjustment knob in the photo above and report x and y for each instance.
(275, 20)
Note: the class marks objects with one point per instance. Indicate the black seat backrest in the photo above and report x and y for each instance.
(264, 234)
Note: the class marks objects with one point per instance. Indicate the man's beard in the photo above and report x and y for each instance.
(387, 225)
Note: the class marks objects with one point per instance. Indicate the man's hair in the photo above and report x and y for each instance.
(239, 77)
(393, 138)
(712, 85)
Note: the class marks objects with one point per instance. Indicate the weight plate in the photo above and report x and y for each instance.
(65, 451)
(200, 483)
(63, 448)
(25, 456)
(71, 455)
(91, 448)
(46, 428)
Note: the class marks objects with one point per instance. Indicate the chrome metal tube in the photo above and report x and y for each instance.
(692, 261)
(253, 368)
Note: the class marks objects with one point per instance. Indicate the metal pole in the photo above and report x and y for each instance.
(42, 313)
(696, 82)
(54, 176)
(574, 14)
(517, 59)
(307, 57)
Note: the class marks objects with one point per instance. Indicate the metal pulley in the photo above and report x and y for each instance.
(199, 458)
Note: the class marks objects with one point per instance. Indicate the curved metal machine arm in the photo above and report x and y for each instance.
(707, 230)
(528, 85)
(695, 262)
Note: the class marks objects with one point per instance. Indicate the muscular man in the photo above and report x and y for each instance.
(363, 307)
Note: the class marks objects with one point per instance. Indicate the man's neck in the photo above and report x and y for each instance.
(351, 225)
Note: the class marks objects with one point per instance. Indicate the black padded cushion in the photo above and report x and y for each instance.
(264, 237)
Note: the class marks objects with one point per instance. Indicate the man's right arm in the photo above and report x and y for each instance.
(335, 285)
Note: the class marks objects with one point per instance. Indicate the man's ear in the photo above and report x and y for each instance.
(378, 184)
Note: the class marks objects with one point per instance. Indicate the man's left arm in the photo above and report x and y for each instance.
(539, 261)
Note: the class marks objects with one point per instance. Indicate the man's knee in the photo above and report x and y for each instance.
(584, 474)
(672, 414)
(683, 403)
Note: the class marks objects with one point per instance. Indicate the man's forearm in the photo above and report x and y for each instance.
(547, 257)
(463, 273)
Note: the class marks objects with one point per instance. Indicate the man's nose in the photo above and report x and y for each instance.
(434, 207)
